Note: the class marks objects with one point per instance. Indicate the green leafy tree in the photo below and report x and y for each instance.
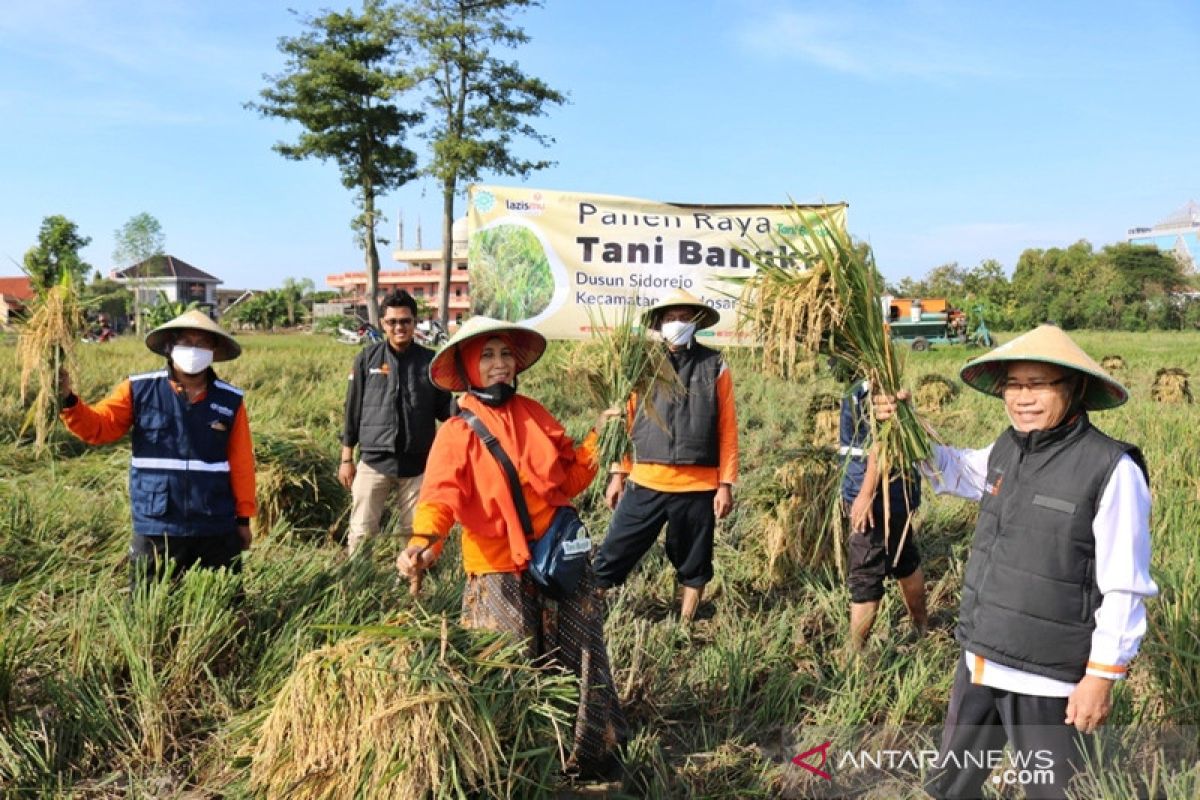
(479, 102)
(987, 288)
(1145, 271)
(165, 310)
(265, 311)
(56, 254)
(946, 281)
(295, 293)
(341, 84)
(138, 241)
(109, 297)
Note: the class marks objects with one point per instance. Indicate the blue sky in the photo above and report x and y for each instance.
(957, 131)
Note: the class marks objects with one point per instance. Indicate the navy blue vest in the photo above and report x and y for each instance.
(854, 438)
(179, 475)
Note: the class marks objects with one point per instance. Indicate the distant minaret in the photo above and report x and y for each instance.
(418, 233)
(400, 230)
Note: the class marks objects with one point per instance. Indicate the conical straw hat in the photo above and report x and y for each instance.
(706, 316)
(527, 346)
(1050, 345)
(227, 347)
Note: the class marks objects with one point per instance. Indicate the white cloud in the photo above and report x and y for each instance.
(912, 39)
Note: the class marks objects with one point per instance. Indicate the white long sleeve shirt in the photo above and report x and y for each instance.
(1122, 531)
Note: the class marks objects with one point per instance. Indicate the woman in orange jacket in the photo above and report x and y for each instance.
(465, 483)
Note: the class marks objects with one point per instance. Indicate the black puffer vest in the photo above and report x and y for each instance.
(380, 423)
(691, 418)
(1030, 594)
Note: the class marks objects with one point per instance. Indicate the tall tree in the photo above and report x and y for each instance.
(1145, 270)
(479, 102)
(136, 242)
(293, 293)
(56, 253)
(342, 80)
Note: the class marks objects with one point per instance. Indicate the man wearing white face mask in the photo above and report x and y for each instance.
(192, 475)
(681, 475)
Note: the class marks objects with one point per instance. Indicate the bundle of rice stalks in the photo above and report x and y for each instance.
(803, 525)
(935, 391)
(1111, 363)
(414, 710)
(297, 481)
(1171, 386)
(822, 419)
(830, 305)
(46, 346)
(621, 360)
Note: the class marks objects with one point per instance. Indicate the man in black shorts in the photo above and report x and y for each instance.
(871, 557)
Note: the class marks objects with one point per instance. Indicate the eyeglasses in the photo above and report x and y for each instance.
(1034, 387)
(397, 321)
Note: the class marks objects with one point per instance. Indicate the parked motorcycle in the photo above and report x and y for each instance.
(364, 334)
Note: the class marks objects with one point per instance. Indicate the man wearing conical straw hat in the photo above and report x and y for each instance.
(1053, 601)
(682, 473)
(192, 476)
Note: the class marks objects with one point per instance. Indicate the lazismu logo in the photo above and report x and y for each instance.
(525, 206)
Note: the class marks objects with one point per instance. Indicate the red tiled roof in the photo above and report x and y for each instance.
(17, 288)
(162, 267)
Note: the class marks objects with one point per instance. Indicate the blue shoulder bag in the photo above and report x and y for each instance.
(559, 558)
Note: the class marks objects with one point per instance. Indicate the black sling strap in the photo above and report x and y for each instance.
(510, 472)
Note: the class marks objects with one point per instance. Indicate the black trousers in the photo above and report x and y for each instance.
(1044, 752)
(639, 517)
(149, 555)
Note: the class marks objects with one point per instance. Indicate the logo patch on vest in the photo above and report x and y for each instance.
(379, 370)
(228, 412)
(992, 487)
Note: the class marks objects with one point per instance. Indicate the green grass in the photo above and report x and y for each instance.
(102, 695)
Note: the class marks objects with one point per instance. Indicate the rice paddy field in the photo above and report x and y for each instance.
(238, 686)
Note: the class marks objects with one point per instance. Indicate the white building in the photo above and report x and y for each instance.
(1178, 234)
(177, 279)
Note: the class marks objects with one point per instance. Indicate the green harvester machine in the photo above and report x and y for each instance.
(929, 321)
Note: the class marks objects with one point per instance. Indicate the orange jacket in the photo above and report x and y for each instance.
(111, 418)
(463, 473)
(686, 477)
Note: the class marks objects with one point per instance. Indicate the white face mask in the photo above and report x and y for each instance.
(678, 333)
(191, 360)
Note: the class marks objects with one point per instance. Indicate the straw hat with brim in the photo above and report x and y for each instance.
(1049, 345)
(706, 316)
(527, 347)
(160, 338)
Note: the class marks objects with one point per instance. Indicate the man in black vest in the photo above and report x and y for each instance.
(682, 475)
(391, 414)
(1053, 602)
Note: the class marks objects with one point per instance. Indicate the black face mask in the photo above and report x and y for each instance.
(495, 395)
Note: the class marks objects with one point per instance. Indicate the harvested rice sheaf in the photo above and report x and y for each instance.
(802, 525)
(46, 345)
(1171, 386)
(414, 709)
(621, 359)
(1112, 363)
(826, 301)
(296, 479)
(822, 419)
(935, 392)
